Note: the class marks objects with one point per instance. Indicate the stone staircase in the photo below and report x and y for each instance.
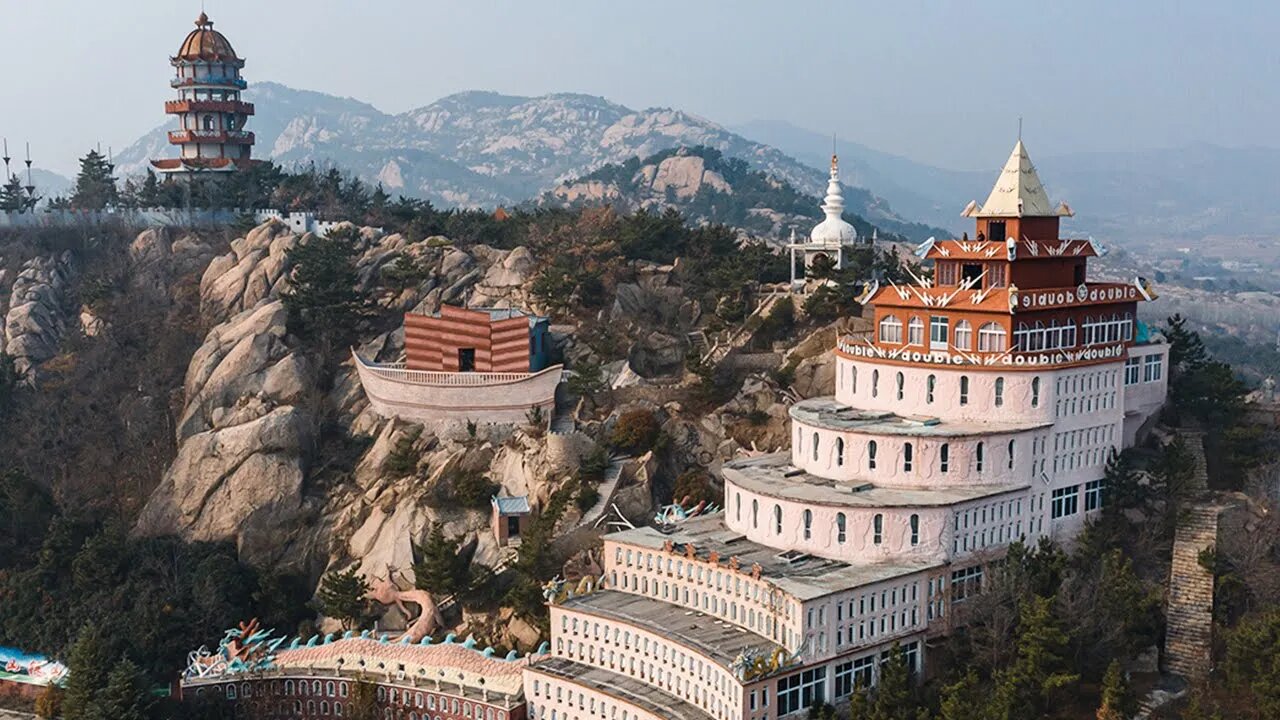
(1194, 442)
(1189, 637)
(730, 341)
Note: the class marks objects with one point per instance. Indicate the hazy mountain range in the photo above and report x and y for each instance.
(487, 149)
(1187, 192)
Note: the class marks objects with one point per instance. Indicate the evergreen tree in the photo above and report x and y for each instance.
(1025, 688)
(323, 303)
(1253, 662)
(342, 596)
(126, 696)
(965, 699)
(13, 197)
(1186, 351)
(87, 668)
(860, 702)
(1117, 699)
(442, 569)
(96, 183)
(893, 693)
(149, 193)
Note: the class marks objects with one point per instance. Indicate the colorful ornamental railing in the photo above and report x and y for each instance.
(961, 358)
(217, 106)
(217, 80)
(240, 137)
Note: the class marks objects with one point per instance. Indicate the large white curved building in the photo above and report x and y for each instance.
(981, 412)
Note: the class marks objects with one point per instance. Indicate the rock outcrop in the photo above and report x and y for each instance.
(37, 316)
(255, 269)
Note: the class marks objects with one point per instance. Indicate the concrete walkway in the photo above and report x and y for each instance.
(607, 487)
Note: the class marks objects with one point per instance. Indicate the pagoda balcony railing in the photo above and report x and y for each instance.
(214, 80)
(217, 106)
(231, 137)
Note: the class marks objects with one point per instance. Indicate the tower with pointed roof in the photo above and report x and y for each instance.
(211, 134)
(830, 238)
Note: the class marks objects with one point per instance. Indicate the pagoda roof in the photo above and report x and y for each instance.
(206, 44)
(1018, 192)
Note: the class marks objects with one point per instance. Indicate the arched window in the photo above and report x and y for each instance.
(901, 384)
(808, 524)
(1010, 454)
(737, 507)
(877, 529)
(992, 338)
(815, 446)
(944, 457)
(930, 384)
(964, 389)
(853, 379)
(840, 528)
(839, 452)
(871, 455)
(891, 330)
(755, 514)
(777, 519)
(915, 331)
(1035, 392)
(907, 456)
(978, 454)
(915, 529)
(875, 383)
(999, 392)
(964, 335)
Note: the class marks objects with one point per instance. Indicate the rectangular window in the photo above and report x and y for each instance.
(938, 333)
(1092, 495)
(801, 691)
(1065, 501)
(966, 583)
(1131, 371)
(1152, 368)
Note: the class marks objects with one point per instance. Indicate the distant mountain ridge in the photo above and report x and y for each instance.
(706, 187)
(1190, 192)
(486, 149)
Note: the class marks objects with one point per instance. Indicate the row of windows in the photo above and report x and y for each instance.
(907, 457)
(603, 708)
(1151, 366)
(841, 525)
(407, 698)
(1086, 392)
(1083, 448)
(931, 387)
(657, 663)
(763, 621)
(992, 337)
(732, 583)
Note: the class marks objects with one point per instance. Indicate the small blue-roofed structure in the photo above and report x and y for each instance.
(511, 517)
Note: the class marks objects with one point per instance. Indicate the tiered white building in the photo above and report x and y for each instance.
(981, 412)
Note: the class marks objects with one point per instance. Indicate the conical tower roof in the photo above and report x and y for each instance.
(1018, 191)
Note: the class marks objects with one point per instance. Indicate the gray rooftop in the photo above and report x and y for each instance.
(826, 413)
(518, 505)
(623, 687)
(774, 476)
(718, 640)
(805, 577)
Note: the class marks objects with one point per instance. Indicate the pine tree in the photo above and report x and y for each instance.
(442, 570)
(96, 183)
(13, 196)
(149, 193)
(87, 669)
(1117, 699)
(322, 299)
(964, 700)
(860, 702)
(1186, 351)
(126, 696)
(893, 693)
(1026, 686)
(342, 596)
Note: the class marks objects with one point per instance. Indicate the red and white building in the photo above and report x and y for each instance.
(211, 116)
(981, 412)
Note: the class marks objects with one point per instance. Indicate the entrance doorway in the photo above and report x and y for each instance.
(466, 359)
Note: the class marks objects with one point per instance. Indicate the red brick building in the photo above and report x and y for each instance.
(487, 340)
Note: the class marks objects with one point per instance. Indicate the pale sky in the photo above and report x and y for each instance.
(939, 82)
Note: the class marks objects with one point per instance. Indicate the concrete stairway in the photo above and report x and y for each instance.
(1189, 638)
(1194, 442)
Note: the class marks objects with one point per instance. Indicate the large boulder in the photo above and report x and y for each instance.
(255, 269)
(37, 313)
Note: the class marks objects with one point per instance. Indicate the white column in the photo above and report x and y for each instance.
(793, 267)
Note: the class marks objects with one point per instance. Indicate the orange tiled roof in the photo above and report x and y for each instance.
(205, 43)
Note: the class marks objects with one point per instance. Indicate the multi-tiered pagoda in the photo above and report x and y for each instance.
(980, 412)
(211, 115)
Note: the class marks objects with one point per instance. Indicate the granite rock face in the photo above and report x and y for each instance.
(37, 316)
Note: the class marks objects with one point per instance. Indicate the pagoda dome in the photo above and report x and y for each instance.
(206, 44)
(833, 229)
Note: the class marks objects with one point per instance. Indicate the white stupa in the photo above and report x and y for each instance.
(829, 238)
